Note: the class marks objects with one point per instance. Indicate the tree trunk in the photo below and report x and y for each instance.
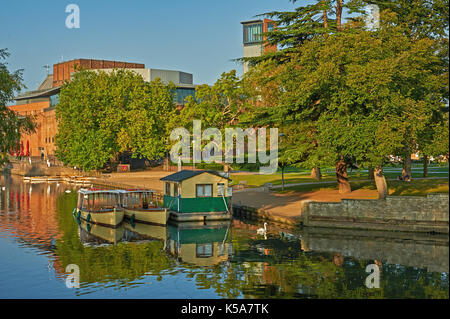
(166, 166)
(325, 17)
(380, 181)
(371, 173)
(339, 14)
(342, 178)
(407, 166)
(316, 174)
(425, 166)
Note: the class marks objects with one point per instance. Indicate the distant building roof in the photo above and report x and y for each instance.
(179, 78)
(186, 174)
(251, 21)
(47, 84)
(37, 93)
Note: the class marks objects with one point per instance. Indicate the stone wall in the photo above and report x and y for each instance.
(39, 168)
(399, 213)
(420, 250)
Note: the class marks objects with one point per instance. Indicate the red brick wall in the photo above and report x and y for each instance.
(46, 130)
(268, 48)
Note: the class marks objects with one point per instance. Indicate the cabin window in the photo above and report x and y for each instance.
(175, 189)
(168, 189)
(204, 190)
(220, 189)
(204, 250)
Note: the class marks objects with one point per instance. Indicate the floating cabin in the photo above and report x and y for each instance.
(197, 195)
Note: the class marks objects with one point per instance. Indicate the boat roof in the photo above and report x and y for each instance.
(186, 174)
(97, 191)
(126, 191)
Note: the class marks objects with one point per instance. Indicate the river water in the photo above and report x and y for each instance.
(40, 238)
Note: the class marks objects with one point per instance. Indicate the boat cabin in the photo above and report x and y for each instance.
(189, 191)
(95, 200)
(138, 199)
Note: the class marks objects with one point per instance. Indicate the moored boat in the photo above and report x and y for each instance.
(140, 206)
(99, 207)
(197, 196)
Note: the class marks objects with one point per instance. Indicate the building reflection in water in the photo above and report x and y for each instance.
(199, 244)
(29, 211)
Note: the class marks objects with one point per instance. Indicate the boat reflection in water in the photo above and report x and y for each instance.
(199, 244)
(97, 235)
(192, 243)
(42, 237)
(100, 235)
(143, 231)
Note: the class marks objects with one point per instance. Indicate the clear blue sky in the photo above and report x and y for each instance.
(196, 36)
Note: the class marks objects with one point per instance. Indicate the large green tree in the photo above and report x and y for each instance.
(11, 125)
(101, 115)
(220, 105)
(357, 94)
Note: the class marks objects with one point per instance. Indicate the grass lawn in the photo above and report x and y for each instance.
(256, 180)
(396, 188)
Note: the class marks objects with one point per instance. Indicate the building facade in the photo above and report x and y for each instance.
(41, 102)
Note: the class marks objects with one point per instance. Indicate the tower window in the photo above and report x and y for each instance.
(252, 33)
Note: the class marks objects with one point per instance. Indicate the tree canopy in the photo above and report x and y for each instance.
(354, 96)
(11, 125)
(103, 114)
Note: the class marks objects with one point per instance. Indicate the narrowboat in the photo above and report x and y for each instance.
(140, 205)
(197, 195)
(99, 207)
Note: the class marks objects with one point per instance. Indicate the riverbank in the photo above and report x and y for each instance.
(288, 206)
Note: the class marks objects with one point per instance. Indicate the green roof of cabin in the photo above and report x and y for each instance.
(186, 174)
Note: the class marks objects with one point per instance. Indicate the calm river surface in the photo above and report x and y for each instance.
(39, 238)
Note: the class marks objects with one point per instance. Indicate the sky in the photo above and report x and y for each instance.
(201, 37)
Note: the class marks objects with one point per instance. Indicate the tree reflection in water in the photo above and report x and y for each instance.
(228, 260)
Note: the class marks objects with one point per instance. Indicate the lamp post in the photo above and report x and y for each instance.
(193, 157)
(282, 166)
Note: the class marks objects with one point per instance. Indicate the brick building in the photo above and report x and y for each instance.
(41, 102)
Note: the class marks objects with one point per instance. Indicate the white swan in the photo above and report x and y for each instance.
(262, 231)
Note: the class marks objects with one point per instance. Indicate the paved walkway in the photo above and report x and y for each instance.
(288, 205)
(360, 180)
